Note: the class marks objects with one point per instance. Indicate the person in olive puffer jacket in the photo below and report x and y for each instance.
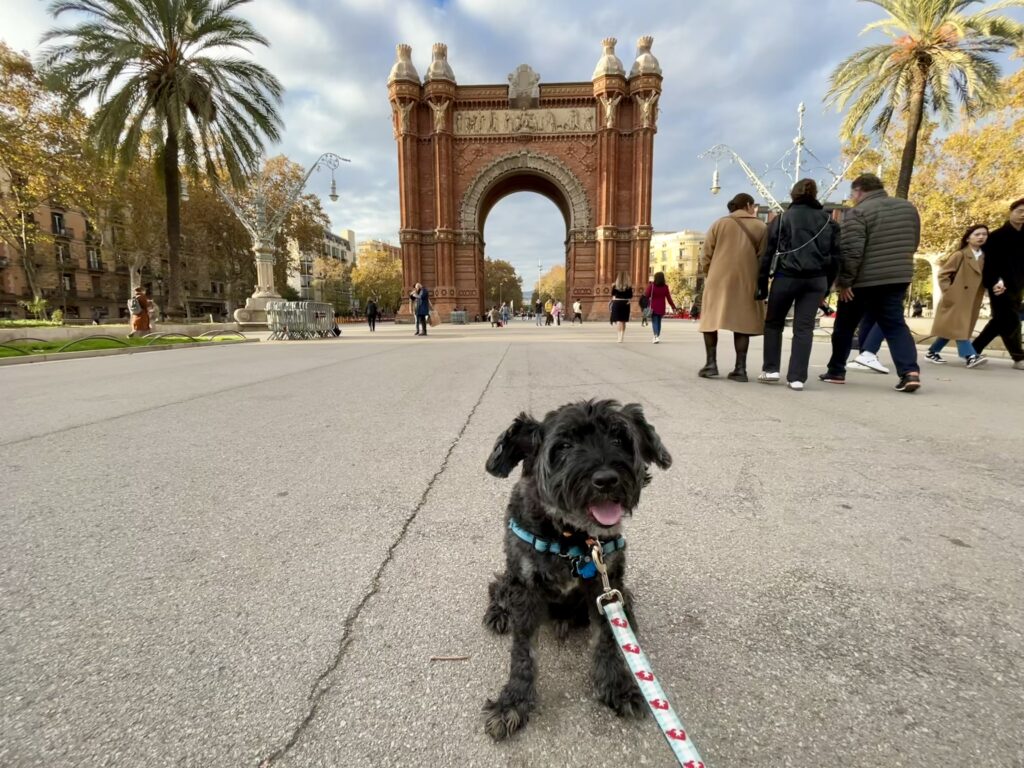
(880, 236)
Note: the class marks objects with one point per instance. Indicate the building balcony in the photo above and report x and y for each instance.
(64, 232)
(66, 263)
(95, 265)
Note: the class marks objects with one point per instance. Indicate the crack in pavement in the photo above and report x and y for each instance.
(320, 687)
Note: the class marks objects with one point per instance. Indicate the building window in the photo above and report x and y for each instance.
(57, 220)
(68, 281)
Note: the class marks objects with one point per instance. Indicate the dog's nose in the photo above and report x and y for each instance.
(605, 479)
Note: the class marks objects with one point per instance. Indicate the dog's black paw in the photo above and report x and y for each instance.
(628, 703)
(561, 630)
(503, 718)
(496, 619)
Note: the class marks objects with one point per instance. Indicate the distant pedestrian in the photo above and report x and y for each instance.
(880, 236)
(556, 312)
(918, 309)
(962, 292)
(657, 295)
(97, 315)
(549, 307)
(622, 296)
(803, 244)
(506, 313)
(577, 312)
(421, 308)
(644, 302)
(538, 308)
(371, 314)
(1003, 278)
(732, 248)
(138, 311)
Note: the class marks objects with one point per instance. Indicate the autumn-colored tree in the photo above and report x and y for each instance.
(501, 283)
(682, 287)
(936, 56)
(332, 283)
(378, 275)
(552, 284)
(42, 159)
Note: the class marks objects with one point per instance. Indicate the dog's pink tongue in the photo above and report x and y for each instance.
(607, 512)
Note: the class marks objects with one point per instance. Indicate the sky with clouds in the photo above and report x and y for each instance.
(734, 73)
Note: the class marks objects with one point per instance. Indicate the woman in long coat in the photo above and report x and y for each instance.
(962, 292)
(732, 248)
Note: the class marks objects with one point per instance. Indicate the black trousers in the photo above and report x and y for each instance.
(421, 325)
(804, 294)
(884, 305)
(372, 320)
(1005, 323)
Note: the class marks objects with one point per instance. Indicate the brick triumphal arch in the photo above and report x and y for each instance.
(586, 146)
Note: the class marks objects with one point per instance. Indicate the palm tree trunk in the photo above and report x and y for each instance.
(172, 190)
(915, 114)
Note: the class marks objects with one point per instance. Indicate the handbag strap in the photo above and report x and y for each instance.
(750, 237)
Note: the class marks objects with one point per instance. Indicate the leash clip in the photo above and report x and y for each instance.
(609, 595)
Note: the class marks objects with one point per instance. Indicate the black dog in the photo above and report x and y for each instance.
(583, 469)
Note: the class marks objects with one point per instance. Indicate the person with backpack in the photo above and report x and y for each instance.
(802, 252)
(138, 311)
(653, 302)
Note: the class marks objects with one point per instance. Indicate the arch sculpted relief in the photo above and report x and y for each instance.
(544, 165)
(511, 122)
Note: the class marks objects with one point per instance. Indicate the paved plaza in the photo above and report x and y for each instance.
(249, 556)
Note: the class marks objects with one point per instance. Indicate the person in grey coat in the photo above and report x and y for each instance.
(879, 238)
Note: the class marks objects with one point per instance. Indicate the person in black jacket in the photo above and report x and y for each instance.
(1003, 277)
(371, 314)
(802, 254)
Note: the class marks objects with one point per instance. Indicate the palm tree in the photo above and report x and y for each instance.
(158, 68)
(935, 56)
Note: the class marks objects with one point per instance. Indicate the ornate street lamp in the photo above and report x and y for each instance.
(254, 212)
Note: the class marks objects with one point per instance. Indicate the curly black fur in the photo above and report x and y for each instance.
(580, 455)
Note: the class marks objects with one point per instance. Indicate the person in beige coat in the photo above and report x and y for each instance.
(962, 292)
(732, 248)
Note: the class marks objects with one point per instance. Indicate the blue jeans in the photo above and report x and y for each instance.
(883, 304)
(656, 324)
(964, 348)
(869, 336)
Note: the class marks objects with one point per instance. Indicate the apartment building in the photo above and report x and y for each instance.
(676, 251)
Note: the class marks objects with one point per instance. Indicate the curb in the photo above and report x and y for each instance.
(109, 352)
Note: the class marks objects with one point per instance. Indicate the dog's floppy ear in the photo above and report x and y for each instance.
(517, 443)
(651, 449)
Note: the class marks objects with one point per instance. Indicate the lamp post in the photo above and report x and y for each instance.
(254, 212)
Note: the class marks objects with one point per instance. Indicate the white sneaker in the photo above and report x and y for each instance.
(796, 386)
(1019, 365)
(870, 361)
(657, 340)
(766, 377)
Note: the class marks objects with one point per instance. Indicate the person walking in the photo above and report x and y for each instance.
(421, 308)
(869, 342)
(372, 313)
(138, 312)
(557, 312)
(879, 237)
(1003, 278)
(732, 249)
(549, 307)
(803, 246)
(538, 307)
(622, 295)
(506, 314)
(962, 292)
(657, 295)
(577, 312)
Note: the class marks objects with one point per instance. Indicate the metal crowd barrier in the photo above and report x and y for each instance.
(299, 319)
(459, 317)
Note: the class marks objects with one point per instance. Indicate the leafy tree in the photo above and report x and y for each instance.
(682, 287)
(501, 283)
(42, 158)
(936, 56)
(155, 68)
(552, 284)
(378, 275)
(332, 280)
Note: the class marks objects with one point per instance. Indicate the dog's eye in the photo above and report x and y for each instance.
(563, 446)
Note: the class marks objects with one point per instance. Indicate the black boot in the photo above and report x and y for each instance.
(742, 343)
(711, 350)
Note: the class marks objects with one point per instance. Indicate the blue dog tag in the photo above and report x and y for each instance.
(586, 570)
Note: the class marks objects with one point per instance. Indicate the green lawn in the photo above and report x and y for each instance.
(50, 347)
